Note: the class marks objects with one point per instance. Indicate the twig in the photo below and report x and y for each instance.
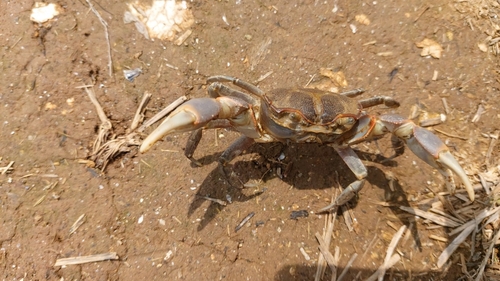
(329, 258)
(394, 259)
(479, 112)
(105, 126)
(264, 76)
(244, 221)
(327, 237)
(336, 257)
(105, 24)
(139, 114)
(40, 200)
(390, 251)
(86, 259)
(430, 216)
(438, 238)
(15, 43)
(445, 105)
(421, 13)
(215, 200)
(77, 224)
(162, 113)
(7, 168)
(310, 80)
(444, 214)
(347, 217)
(484, 184)
(347, 267)
(450, 135)
(493, 142)
(372, 242)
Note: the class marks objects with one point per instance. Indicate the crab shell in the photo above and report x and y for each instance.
(307, 115)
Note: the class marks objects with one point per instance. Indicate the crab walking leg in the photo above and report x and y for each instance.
(356, 166)
(428, 147)
(387, 101)
(352, 161)
(195, 137)
(235, 149)
(240, 83)
(193, 115)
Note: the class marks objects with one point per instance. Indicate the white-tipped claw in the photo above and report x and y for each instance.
(448, 161)
(179, 122)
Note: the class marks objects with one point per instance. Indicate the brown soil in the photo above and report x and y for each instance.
(48, 124)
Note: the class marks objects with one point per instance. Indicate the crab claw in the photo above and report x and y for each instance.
(193, 115)
(187, 117)
(428, 147)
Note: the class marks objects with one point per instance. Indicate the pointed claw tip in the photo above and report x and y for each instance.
(144, 148)
(471, 193)
(451, 163)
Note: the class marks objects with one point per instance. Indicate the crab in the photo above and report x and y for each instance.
(303, 115)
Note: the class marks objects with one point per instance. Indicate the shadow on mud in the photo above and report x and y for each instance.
(303, 166)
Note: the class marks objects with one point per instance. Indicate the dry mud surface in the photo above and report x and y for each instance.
(149, 208)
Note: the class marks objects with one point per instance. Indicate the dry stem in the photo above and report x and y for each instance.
(86, 259)
(105, 24)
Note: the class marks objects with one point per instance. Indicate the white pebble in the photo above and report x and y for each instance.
(353, 28)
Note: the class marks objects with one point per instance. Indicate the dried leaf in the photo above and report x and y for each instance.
(362, 19)
(337, 77)
(482, 47)
(430, 47)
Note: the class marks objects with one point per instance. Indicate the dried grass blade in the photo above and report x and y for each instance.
(162, 113)
(327, 237)
(347, 217)
(487, 256)
(7, 168)
(467, 229)
(139, 114)
(430, 216)
(483, 214)
(329, 258)
(347, 267)
(86, 259)
(390, 251)
(105, 126)
(446, 254)
(77, 224)
(392, 261)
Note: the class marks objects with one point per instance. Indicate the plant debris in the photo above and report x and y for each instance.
(86, 259)
(164, 19)
(430, 47)
(43, 12)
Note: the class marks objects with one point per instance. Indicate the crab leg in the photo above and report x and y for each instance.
(195, 114)
(423, 143)
(356, 166)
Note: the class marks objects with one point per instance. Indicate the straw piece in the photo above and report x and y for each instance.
(86, 259)
(430, 216)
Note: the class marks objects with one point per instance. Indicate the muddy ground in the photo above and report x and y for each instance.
(148, 208)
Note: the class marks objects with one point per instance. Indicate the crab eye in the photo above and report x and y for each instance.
(294, 117)
(346, 121)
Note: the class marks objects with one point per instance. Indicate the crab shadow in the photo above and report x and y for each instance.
(303, 166)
